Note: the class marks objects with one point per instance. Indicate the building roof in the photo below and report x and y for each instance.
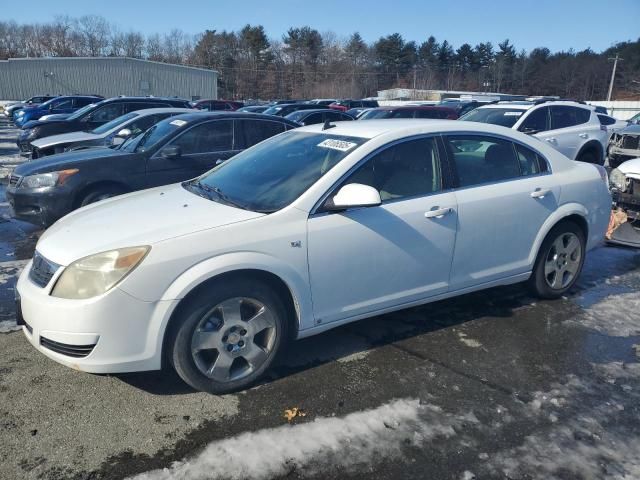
(107, 59)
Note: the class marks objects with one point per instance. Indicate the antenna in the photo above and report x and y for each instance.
(327, 125)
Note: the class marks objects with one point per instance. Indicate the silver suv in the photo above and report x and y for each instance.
(573, 128)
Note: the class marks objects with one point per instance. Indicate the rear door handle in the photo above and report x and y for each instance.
(551, 140)
(437, 212)
(540, 193)
(583, 135)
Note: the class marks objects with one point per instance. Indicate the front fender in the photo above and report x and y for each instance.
(246, 260)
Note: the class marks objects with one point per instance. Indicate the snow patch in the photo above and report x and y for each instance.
(469, 342)
(358, 439)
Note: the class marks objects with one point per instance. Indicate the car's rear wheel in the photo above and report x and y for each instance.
(228, 335)
(589, 156)
(559, 262)
(101, 193)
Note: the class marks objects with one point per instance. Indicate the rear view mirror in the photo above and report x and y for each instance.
(171, 152)
(354, 195)
(121, 136)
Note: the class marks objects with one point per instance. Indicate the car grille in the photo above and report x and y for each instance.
(42, 270)
(14, 180)
(630, 141)
(76, 351)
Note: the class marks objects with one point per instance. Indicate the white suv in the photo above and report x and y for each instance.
(572, 128)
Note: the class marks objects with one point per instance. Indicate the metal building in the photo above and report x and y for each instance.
(107, 76)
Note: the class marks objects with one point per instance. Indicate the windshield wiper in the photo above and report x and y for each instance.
(218, 193)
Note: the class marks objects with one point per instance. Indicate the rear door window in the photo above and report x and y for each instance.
(482, 159)
(563, 116)
(606, 119)
(530, 162)
(250, 132)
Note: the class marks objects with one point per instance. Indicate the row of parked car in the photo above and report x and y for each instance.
(123, 144)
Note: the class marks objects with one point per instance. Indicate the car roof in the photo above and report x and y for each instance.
(145, 99)
(153, 111)
(309, 111)
(518, 105)
(415, 107)
(402, 127)
(204, 116)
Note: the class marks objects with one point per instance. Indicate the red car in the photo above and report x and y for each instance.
(410, 111)
(217, 105)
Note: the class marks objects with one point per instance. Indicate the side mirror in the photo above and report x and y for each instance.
(530, 131)
(354, 195)
(124, 133)
(171, 152)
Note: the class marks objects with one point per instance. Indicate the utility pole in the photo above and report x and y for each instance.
(613, 74)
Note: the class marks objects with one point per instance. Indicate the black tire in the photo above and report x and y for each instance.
(100, 193)
(539, 282)
(188, 364)
(589, 156)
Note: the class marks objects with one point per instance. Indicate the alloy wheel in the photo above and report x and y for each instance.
(563, 261)
(233, 339)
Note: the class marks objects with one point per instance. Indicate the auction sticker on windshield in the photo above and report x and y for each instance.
(178, 123)
(512, 114)
(337, 145)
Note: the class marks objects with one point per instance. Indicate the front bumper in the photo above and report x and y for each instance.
(111, 333)
(617, 156)
(41, 206)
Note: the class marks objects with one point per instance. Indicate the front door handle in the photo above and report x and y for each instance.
(437, 212)
(583, 135)
(551, 140)
(540, 193)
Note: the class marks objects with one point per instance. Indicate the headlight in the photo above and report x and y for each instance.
(97, 274)
(618, 180)
(31, 132)
(51, 179)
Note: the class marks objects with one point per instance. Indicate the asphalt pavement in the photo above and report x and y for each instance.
(494, 384)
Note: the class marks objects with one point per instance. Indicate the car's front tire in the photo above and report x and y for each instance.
(100, 193)
(559, 262)
(228, 335)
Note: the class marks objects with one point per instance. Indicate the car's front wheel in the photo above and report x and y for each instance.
(559, 261)
(101, 193)
(226, 337)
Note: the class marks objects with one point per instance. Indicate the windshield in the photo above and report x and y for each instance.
(297, 116)
(82, 111)
(157, 133)
(114, 123)
(507, 117)
(272, 110)
(373, 114)
(272, 174)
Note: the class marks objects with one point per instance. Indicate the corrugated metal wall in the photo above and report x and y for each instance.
(109, 77)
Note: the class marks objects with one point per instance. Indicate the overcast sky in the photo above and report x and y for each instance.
(556, 24)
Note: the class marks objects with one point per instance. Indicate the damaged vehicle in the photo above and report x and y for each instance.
(624, 227)
(624, 145)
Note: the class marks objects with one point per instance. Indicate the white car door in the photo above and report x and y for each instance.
(367, 259)
(505, 195)
(570, 127)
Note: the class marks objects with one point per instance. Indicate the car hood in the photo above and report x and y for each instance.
(39, 123)
(140, 218)
(52, 163)
(46, 142)
(631, 168)
(630, 130)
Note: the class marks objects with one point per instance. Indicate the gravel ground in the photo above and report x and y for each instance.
(489, 385)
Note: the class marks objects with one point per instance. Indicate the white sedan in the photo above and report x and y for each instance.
(311, 229)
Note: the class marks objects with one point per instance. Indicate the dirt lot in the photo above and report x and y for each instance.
(490, 385)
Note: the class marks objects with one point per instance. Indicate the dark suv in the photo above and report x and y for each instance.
(216, 105)
(91, 117)
(175, 149)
